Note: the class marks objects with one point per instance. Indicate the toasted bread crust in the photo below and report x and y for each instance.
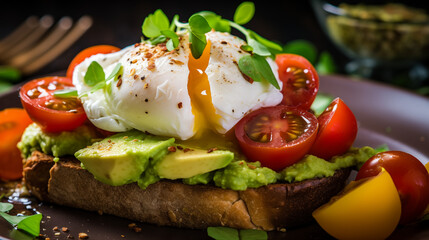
(172, 203)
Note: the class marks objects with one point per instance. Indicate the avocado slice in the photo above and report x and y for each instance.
(186, 163)
(122, 158)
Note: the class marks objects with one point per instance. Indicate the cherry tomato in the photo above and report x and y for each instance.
(337, 131)
(87, 53)
(300, 80)
(276, 136)
(410, 177)
(52, 114)
(13, 122)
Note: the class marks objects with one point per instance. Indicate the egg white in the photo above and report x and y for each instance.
(153, 96)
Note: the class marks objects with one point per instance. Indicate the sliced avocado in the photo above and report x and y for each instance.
(122, 158)
(187, 162)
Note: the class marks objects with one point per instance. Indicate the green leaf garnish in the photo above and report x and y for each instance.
(66, 93)
(94, 74)
(157, 28)
(244, 12)
(9, 74)
(226, 233)
(253, 234)
(95, 77)
(257, 68)
(326, 64)
(198, 27)
(173, 41)
(29, 224)
(5, 207)
(223, 233)
(155, 23)
(114, 72)
(303, 48)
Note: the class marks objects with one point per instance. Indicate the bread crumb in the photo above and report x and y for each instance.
(83, 236)
(55, 228)
(64, 229)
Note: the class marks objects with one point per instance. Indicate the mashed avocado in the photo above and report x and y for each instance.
(55, 144)
(237, 175)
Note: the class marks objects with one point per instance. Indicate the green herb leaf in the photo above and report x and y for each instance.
(29, 224)
(114, 72)
(9, 74)
(258, 48)
(303, 48)
(321, 102)
(5, 86)
(198, 27)
(257, 68)
(244, 13)
(253, 234)
(158, 39)
(173, 43)
(326, 64)
(94, 74)
(223, 233)
(155, 23)
(216, 22)
(66, 93)
(5, 207)
(272, 46)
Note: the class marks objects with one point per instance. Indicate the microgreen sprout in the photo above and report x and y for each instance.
(157, 28)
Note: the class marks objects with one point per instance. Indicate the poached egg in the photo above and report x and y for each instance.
(170, 93)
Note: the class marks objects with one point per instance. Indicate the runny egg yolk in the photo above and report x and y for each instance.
(199, 92)
(204, 112)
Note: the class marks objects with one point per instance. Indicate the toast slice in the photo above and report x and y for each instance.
(172, 203)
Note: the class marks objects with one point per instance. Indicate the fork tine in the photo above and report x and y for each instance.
(61, 28)
(82, 25)
(44, 24)
(22, 30)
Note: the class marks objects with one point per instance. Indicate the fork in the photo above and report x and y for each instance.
(36, 42)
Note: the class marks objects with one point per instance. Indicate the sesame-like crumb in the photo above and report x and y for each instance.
(83, 235)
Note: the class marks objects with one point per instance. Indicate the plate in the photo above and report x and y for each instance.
(386, 115)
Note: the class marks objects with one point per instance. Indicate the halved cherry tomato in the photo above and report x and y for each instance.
(276, 136)
(52, 114)
(13, 122)
(410, 177)
(337, 131)
(300, 80)
(87, 53)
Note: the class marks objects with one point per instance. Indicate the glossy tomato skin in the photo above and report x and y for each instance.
(13, 122)
(50, 113)
(274, 149)
(300, 80)
(337, 130)
(410, 177)
(87, 53)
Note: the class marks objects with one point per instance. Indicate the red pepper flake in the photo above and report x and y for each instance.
(171, 148)
(180, 147)
(143, 78)
(136, 76)
(223, 42)
(251, 166)
(146, 85)
(187, 150)
(180, 105)
(119, 83)
(211, 150)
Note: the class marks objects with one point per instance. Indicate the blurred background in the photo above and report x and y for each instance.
(297, 25)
